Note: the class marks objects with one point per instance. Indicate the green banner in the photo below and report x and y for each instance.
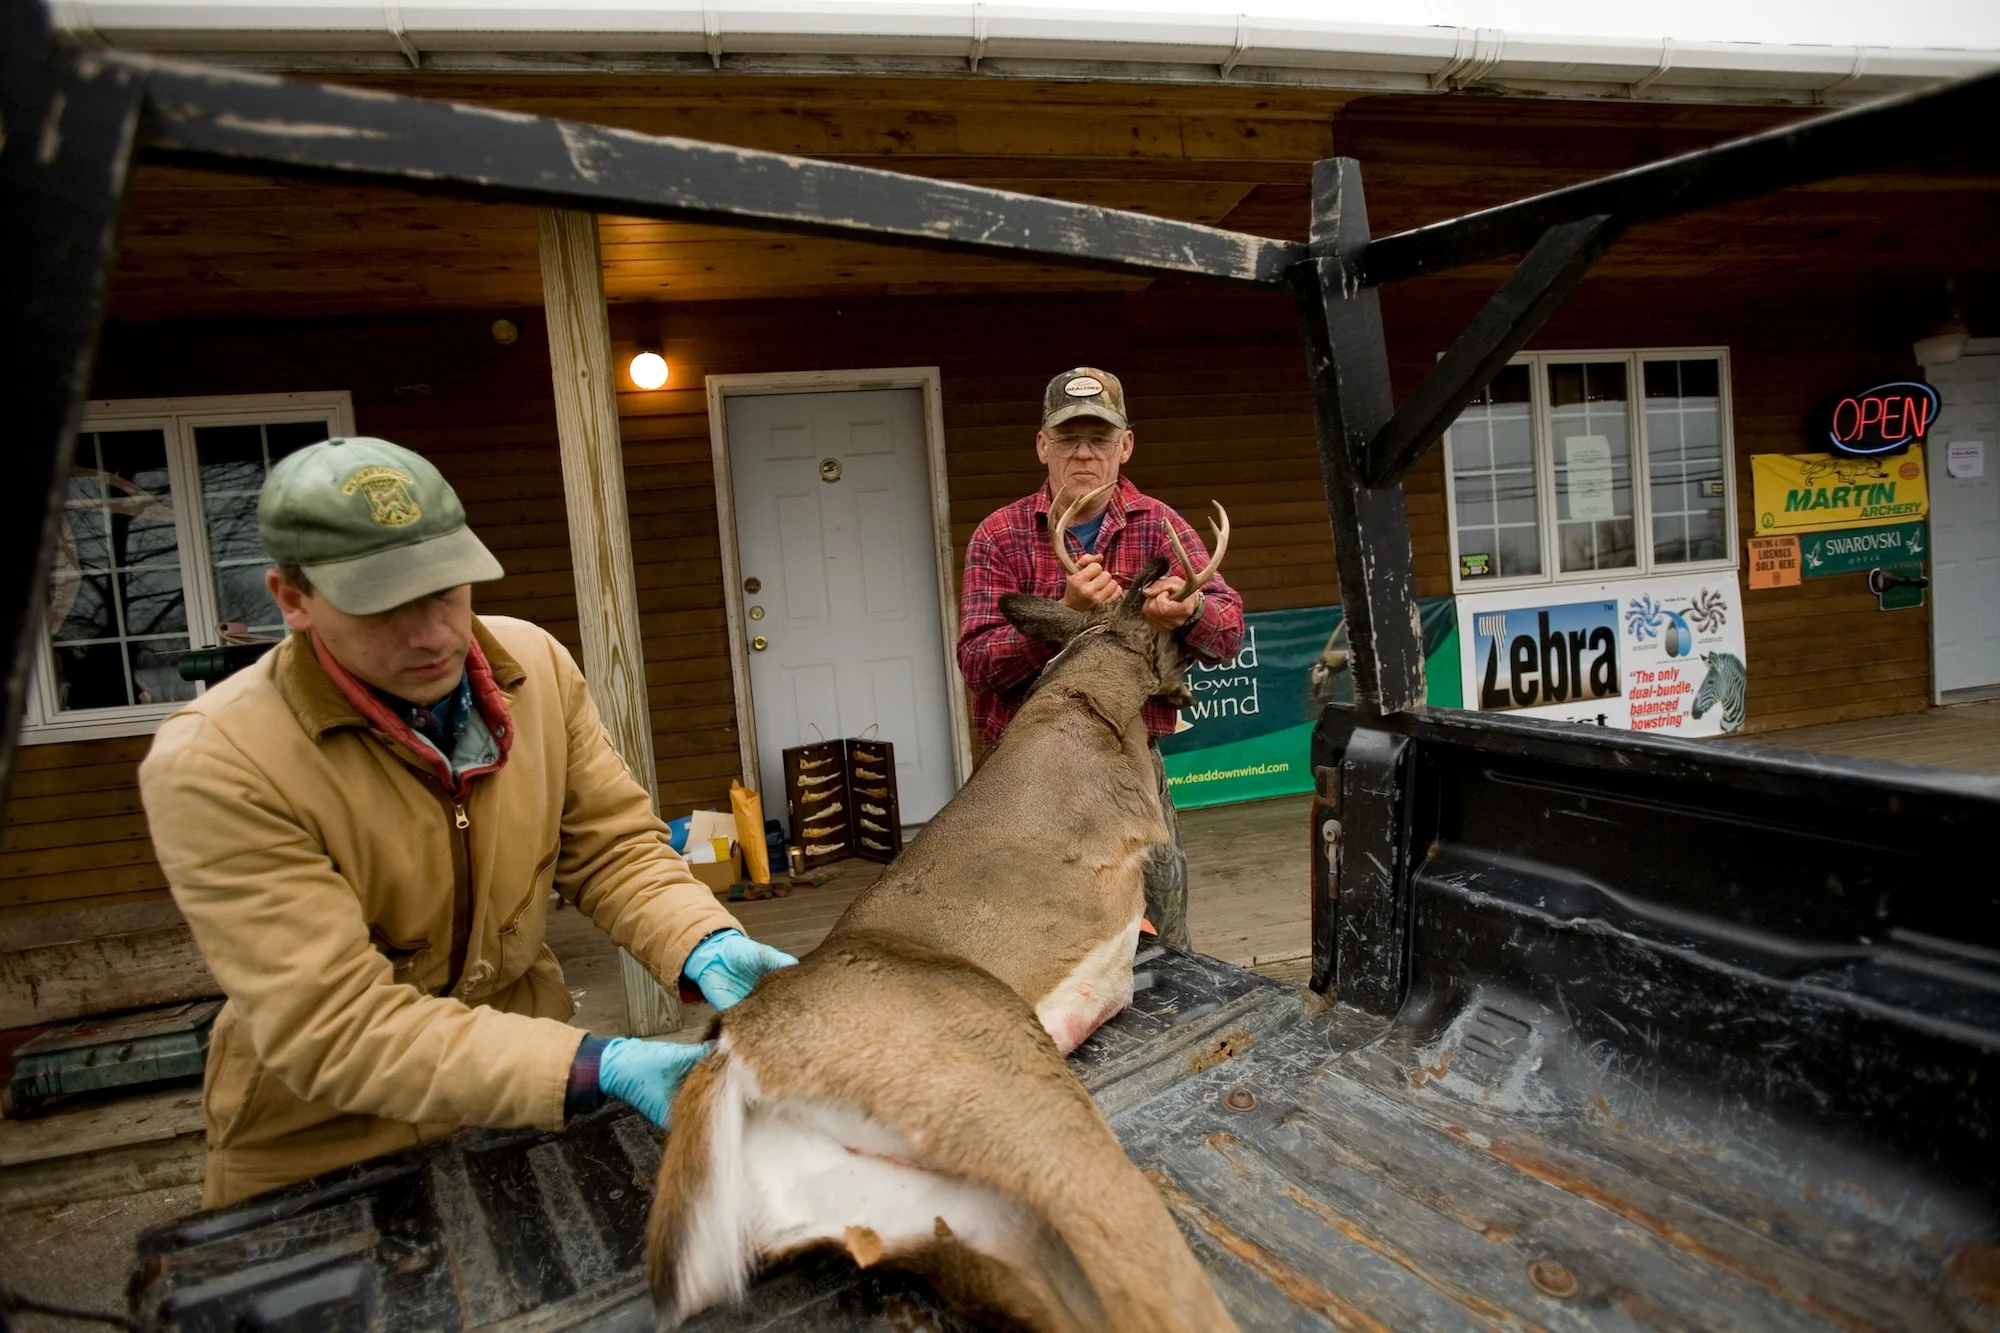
(1248, 733)
(1851, 550)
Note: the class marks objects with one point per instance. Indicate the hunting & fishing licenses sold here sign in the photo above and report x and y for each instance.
(1657, 654)
(1818, 492)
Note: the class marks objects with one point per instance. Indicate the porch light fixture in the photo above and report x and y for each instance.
(648, 368)
(1945, 343)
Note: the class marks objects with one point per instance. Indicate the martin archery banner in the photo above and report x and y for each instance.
(1820, 492)
(1248, 733)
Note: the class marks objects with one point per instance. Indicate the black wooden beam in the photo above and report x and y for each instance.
(1555, 265)
(249, 122)
(1347, 362)
(1860, 139)
(68, 122)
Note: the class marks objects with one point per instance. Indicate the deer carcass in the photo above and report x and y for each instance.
(902, 1091)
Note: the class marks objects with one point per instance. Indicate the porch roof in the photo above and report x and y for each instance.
(1197, 40)
(201, 244)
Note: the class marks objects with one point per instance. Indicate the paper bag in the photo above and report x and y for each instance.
(749, 810)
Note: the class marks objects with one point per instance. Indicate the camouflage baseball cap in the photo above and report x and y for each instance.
(372, 524)
(1084, 392)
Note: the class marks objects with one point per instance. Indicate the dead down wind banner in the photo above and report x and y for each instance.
(1248, 732)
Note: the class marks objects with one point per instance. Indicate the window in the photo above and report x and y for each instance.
(1583, 466)
(158, 553)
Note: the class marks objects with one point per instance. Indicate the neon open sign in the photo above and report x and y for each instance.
(1883, 420)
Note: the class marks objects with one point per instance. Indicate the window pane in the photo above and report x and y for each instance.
(80, 607)
(1493, 481)
(152, 602)
(288, 437)
(1592, 443)
(241, 597)
(234, 462)
(119, 516)
(1684, 460)
(231, 458)
(155, 667)
(90, 676)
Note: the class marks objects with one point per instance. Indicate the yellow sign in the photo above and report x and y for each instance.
(1816, 492)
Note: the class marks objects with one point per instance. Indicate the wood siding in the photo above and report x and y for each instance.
(1216, 386)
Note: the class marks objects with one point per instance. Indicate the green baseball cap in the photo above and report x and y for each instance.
(372, 524)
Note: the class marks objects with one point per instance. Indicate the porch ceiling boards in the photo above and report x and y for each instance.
(199, 244)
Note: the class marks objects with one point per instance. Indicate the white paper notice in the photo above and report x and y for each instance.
(1965, 458)
(1589, 458)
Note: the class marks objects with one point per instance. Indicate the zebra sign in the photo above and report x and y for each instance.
(1655, 654)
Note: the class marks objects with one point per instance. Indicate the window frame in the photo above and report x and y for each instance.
(42, 722)
(1543, 439)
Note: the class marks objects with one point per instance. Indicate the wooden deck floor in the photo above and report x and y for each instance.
(1247, 904)
(1247, 866)
(1965, 737)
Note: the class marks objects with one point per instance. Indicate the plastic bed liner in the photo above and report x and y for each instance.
(1477, 1167)
(524, 1230)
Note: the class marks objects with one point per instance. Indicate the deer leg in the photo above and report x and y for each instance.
(1165, 872)
(908, 1107)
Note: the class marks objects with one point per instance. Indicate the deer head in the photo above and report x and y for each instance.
(1128, 659)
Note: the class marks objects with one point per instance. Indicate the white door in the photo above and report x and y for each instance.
(834, 533)
(1965, 532)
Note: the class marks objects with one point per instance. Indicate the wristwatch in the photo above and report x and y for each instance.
(1200, 605)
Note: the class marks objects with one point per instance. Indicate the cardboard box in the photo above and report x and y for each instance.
(719, 875)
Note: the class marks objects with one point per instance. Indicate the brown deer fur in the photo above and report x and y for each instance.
(902, 1092)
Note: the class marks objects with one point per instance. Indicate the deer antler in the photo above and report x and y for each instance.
(1221, 534)
(1061, 525)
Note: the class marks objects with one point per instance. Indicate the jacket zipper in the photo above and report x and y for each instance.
(461, 884)
(513, 922)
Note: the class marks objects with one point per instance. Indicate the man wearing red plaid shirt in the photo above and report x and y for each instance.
(1084, 439)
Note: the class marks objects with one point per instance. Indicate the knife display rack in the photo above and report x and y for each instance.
(841, 797)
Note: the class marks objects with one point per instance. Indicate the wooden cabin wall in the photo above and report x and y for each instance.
(74, 834)
(1821, 651)
(1216, 386)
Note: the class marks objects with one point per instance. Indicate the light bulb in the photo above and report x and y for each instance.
(649, 370)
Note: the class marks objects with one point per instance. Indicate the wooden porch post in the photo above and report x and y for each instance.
(600, 538)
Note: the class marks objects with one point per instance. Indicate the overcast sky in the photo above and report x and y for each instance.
(1952, 23)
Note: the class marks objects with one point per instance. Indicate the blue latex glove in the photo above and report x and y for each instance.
(726, 965)
(645, 1075)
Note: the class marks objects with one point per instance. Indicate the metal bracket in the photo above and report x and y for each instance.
(1371, 936)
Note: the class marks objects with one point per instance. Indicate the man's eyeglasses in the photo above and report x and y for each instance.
(1076, 446)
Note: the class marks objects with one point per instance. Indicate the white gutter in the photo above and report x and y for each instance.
(957, 36)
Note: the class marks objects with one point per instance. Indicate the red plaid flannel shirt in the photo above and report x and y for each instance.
(1010, 552)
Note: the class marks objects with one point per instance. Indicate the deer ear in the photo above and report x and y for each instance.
(1040, 618)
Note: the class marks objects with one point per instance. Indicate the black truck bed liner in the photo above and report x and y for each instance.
(1485, 1176)
(1691, 1037)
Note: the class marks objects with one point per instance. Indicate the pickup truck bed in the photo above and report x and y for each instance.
(1690, 1037)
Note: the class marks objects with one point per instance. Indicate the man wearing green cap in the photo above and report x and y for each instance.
(363, 828)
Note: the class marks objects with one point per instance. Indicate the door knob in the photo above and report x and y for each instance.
(759, 644)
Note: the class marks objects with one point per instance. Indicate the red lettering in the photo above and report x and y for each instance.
(1891, 418)
(1840, 432)
(1870, 417)
(1919, 411)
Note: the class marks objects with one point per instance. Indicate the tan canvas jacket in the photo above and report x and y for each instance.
(318, 859)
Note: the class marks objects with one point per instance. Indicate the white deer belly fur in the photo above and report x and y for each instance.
(788, 1174)
(1097, 988)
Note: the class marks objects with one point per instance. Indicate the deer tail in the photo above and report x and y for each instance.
(699, 1250)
